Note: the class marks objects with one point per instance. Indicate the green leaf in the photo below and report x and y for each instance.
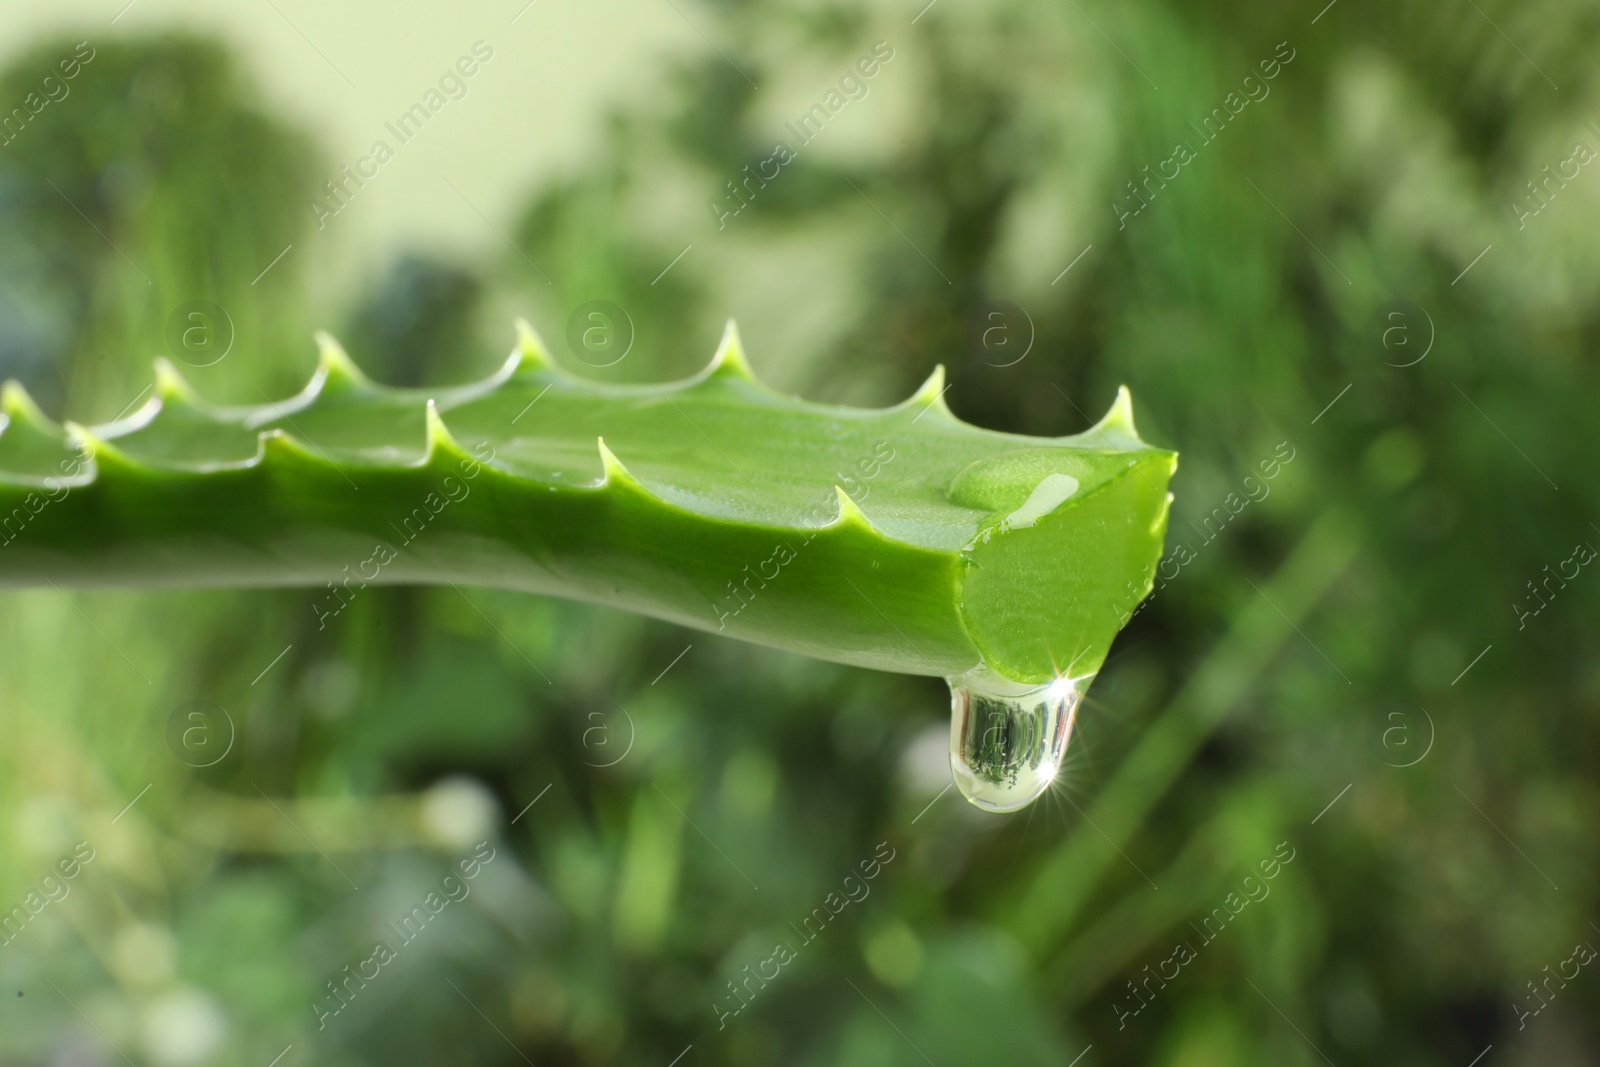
(901, 539)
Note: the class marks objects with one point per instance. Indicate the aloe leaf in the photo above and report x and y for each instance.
(901, 539)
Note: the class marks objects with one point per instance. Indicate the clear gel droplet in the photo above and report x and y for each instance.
(1007, 740)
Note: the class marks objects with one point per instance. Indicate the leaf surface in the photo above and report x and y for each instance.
(901, 539)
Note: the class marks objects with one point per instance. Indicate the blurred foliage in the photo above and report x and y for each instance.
(1290, 655)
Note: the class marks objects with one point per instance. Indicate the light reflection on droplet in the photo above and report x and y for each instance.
(1007, 740)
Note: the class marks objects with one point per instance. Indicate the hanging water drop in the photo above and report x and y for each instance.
(1007, 740)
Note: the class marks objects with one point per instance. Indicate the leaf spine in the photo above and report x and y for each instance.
(15, 402)
(530, 354)
(335, 368)
(172, 387)
(729, 361)
(850, 513)
(930, 394)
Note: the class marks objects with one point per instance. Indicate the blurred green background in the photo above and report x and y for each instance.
(1343, 664)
